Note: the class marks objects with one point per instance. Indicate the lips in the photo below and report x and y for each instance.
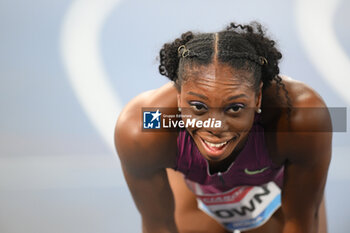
(214, 145)
(215, 149)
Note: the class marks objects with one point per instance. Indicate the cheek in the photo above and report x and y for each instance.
(239, 124)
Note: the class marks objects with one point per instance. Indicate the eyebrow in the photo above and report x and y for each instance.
(199, 95)
(236, 97)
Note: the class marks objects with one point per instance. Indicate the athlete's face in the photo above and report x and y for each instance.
(221, 92)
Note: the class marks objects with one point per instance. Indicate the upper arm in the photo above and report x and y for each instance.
(144, 161)
(307, 148)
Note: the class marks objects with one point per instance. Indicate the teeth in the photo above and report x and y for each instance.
(215, 144)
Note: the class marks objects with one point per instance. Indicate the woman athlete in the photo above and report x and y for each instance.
(263, 169)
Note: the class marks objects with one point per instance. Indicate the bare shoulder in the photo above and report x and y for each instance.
(145, 150)
(309, 111)
(302, 95)
(308, 127)
(303, 100)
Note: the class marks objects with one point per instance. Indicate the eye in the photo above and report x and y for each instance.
(198, 107)
(235, 108)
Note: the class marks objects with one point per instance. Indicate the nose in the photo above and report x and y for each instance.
(219, 131)
(213, 129)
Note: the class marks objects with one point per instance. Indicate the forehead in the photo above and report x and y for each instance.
(218, 76)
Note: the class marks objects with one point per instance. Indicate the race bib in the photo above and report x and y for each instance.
(244, 207)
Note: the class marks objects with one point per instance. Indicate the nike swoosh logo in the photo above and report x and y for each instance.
(254, 172)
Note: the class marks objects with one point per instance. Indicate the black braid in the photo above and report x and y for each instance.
(252, 57)
(263, 46)
(244, 47)
(169, 60)
(279, 85)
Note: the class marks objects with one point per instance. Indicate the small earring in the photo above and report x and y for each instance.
(259, 110)
(179, 109)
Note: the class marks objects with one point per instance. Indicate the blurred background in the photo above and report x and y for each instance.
(67, 68)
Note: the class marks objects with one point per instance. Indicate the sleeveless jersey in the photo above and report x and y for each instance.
(244, 196)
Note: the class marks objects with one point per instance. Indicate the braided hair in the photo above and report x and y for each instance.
(243, 47)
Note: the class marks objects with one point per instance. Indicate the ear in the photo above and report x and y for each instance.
(259, 97)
